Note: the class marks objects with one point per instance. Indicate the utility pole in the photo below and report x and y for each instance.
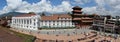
(105, 19)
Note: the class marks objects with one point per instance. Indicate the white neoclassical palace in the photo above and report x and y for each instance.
(33, 21)
(26, 21)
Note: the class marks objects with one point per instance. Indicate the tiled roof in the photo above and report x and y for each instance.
(77, 7)
(87, 21)
(86, 18)
(83, 18)
(77, 19)
(62, 15)
(77, 10)
(55, 17)
(25, 15)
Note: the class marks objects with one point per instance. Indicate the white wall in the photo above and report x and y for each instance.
(25, 22)
(34, 22)
(56, 23)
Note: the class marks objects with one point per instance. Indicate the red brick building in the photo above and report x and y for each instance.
(81, 20)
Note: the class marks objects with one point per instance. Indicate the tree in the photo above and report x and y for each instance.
(68, 13)
(43, 14)
(117, 20)
(31, 13)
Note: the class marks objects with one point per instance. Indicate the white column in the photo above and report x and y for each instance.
(17, 22)
(32, 23)
(48, 23)
(29, 23)
(66, 23)
(40, 23)
(26, 23)
(60, 23)
(36, 25)
(22, 23)
(70, 23)
(12, 22)
(36, 21)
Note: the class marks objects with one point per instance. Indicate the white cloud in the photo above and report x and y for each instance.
(82, 1)
(65, 6)
(89, 10)
(42, 6)
(100, 2)
(101, 8)
(96, 10)
(11, 5)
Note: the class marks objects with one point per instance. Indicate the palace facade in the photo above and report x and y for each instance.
(56, 20)
(34, 21)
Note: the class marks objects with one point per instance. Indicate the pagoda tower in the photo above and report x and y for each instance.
(77, 10)
(80, 20)
(76, 15)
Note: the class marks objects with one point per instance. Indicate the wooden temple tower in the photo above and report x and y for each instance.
(81, 20)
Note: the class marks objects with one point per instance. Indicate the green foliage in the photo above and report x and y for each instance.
(26, 38)
(43, 14)
(31, 13)
(117, 22)
(69, 13)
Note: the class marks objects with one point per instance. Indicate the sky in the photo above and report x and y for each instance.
(102, 7)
